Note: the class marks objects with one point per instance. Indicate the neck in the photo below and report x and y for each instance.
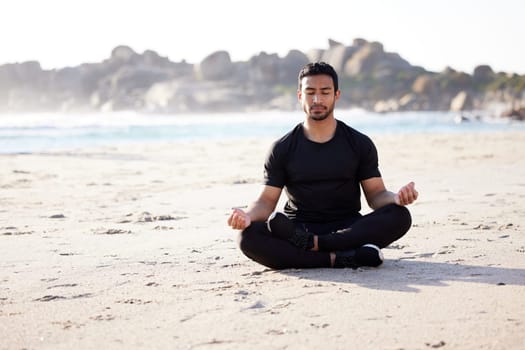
(320, 130)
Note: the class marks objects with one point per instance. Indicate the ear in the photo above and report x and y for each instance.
(299, 95)
(337, 94)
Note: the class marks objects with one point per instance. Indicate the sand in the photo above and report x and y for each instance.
(127, 247)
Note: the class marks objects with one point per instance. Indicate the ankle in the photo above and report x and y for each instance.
(332, 259)
(315, 248)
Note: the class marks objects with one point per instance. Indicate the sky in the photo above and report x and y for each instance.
(434, 34)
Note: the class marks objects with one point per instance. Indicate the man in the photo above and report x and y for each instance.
(321, 164)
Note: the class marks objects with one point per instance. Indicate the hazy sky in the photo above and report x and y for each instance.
(430, 33)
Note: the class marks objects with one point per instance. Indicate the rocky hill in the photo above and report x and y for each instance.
(370, 78)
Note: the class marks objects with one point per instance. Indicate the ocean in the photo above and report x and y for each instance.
(42, 132)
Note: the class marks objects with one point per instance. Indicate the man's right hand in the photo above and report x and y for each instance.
(239, 220)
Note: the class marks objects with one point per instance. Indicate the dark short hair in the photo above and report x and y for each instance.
(317, 68)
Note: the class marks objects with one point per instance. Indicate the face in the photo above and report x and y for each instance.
(317, 96)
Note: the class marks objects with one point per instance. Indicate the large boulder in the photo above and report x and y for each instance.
(364, 60)
(21, 74)
(483, 74)
(264, 68)
(426, 85)
(123, 54)
(217, 66)
(132, 78)
(461, 102)
(371, 60)
(290, 66)
(24, 86)
(314, 55)
(337, 55)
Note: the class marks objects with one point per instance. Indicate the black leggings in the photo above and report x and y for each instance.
(381, 227)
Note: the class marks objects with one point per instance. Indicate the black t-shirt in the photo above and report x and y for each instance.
(321, 179)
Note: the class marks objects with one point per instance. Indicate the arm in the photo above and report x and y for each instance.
(377, 195)
(259, 210)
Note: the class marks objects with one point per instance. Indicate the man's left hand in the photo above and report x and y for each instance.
(407, 194)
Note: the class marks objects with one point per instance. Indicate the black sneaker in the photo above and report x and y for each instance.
(367, 255)
(282, 227)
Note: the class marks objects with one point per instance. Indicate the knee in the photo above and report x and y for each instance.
(403, 219)
(255, 247)
(244, 242)
(404, 216)
(399, 218)
(249, 242)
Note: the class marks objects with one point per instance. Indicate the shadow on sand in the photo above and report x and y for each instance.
(409, 275)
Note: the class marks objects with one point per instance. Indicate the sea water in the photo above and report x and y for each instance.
(43, 132)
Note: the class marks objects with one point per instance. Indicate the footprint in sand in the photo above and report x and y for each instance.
(134, 301)
(13, 231)
(111, 231)
(68, 324)
(107, 317)
(63, 285)
(46, 298)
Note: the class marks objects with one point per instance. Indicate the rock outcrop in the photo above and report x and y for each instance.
(370, 78)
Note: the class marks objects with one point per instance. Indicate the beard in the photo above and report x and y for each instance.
(319, 115)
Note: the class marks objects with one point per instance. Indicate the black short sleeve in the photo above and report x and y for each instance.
(274, 170)
(368, 165)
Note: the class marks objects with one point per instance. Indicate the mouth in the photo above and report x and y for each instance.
(315, 109)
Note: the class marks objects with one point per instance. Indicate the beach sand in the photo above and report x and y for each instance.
(127, 247)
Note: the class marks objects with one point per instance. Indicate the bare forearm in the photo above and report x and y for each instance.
(405, 196)
(257, 211)
(260, 210)
(381, 199)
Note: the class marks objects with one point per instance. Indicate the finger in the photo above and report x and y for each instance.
(408, 196)
(238, 211)
(235, 221)
(415, 194)
(403, 198)
(412, 191)
(412, 196)
(239, 222)
(230, 220)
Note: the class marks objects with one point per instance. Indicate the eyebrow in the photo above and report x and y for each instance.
(327, 88)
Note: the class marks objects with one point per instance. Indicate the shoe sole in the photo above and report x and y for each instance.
(379, 252)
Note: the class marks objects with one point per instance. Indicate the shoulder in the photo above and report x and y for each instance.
(288, 139)
(354, 136)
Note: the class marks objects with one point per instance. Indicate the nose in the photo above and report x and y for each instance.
(316, 98)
